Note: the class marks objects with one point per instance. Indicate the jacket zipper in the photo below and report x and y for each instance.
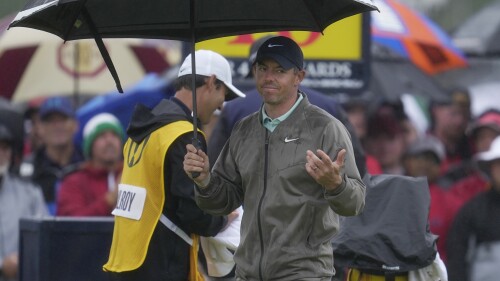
(266, 158)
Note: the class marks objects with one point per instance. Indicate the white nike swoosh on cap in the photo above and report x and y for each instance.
(274, 45)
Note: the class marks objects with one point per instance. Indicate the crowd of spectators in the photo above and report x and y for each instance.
(54, 166)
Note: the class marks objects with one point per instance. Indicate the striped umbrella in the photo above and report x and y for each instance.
(35, 63)
(415, 36)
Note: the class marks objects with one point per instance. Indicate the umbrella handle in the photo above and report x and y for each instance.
(197, 144)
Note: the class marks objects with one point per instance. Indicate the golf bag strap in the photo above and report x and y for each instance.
(170, 225)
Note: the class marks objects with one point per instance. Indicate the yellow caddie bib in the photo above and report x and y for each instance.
(141, 197)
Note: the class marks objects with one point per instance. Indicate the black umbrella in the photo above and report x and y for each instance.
(193, 20)
(480, 69)
(393, 75)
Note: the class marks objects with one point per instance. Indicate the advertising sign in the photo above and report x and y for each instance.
(336, 61)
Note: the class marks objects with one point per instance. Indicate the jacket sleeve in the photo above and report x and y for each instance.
(349, 198)
(224, 192)
(180, 196)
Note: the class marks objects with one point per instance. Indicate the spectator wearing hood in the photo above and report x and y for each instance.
(18, 198)
(91, 190)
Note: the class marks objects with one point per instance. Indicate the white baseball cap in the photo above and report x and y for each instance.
(210, 63)
(484, 158)
(492, 154)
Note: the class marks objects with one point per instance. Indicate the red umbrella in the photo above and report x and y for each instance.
(415, 36)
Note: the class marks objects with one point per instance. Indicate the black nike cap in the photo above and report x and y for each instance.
(283, 50)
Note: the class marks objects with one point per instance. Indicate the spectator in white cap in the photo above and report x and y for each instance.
(474, 240)
(481, 133)
(484, 130)
(91, 190)
(157, 221)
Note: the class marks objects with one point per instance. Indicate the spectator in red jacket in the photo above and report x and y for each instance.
(92, 189)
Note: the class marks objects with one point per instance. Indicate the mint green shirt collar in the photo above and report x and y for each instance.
(271, 124)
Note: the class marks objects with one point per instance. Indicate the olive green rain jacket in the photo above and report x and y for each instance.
(289, 219)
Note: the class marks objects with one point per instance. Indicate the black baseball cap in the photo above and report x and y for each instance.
(283, 50)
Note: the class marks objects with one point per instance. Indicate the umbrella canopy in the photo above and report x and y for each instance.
(35, 63)
(415, 36)
(193, 20)
(480, 69)
(479, 35)
(393, 76)
(173, 19)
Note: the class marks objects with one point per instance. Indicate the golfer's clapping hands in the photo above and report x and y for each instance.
(196, 160)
